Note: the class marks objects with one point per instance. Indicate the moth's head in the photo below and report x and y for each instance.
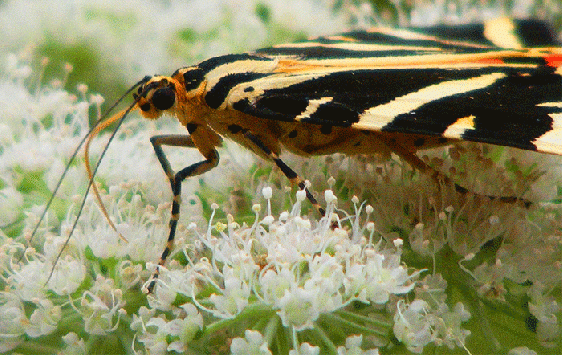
(156, 95)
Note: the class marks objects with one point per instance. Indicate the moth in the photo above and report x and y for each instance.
(376, 91)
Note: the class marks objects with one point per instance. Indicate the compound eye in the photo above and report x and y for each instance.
(164, 98)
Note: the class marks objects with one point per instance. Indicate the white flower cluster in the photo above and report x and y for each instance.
(45, 127)
(284, 265)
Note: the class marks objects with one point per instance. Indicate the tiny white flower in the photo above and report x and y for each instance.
(268, 220)
(545, 308)
(275, 284)
(284, 216)
(101, 306)
(164, 296)
(267, 192)
(129, 274)
(12, 322)
(44, 319)
(185, 327)
(82, 88)
(28, 282)
(303, 223)
(9, 196)
(252, 344)
(176, 281)
(330, 197)
(385, 276)
(469, 256)
(412, 326)
(299, 308)
(156, 335)
(522, 350)
(463, 313)
(353, 347)
(68, 275)
(73, 345)
(447, 328)
(141, 318)
(234, 297)
(306, 349)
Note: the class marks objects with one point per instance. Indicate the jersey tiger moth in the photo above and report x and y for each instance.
(363, 92)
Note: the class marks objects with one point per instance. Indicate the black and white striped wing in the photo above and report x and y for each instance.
(457, 84)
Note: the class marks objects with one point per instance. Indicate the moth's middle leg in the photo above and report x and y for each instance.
(289, 173)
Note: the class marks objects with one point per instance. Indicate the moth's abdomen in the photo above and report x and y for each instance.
(311, 139)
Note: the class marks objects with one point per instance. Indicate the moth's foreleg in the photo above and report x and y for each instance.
(289, 173)
(175, 183)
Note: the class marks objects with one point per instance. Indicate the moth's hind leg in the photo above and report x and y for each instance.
(212, 159)
(420, 165)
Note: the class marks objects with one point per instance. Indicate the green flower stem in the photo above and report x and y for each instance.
(320, 334)
(282, 338)
(363, 319)
(254, 311)
(507, 309)
(328, 317)
(271, 328)
(70, 319)
(475, 305)
(260, 324)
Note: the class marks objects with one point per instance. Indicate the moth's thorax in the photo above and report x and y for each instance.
(191, 107)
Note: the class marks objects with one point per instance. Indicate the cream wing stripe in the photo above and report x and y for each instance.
(501, 32)
(460, 126)
(379, 116)
(551, 141)
(313, 107)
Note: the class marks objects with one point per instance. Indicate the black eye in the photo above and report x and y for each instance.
(164, 98)
(145, 106)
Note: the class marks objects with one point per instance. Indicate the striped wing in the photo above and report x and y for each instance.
(477, 83)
